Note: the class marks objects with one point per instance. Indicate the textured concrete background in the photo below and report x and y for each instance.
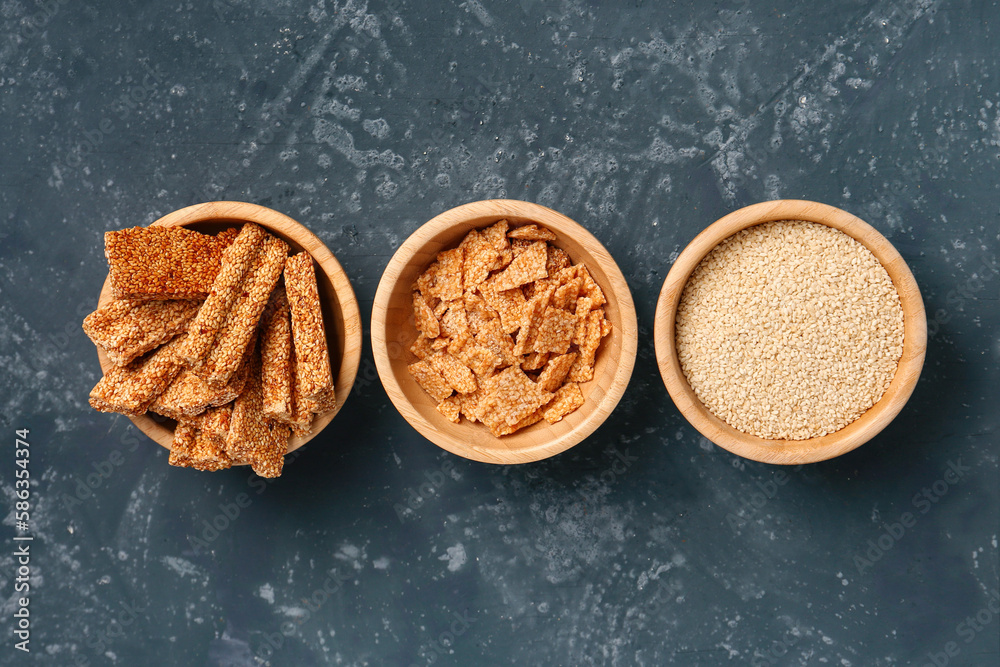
(645, 122)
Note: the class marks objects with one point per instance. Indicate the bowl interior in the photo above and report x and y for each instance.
(812, 450)
(394, 331)
(341, 317)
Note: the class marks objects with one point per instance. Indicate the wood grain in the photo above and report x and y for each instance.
(393, 331)
(339, 305)
(792, 452)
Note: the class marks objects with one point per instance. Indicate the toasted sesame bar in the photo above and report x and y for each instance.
(183, 445)
(236, 262)
(555, 332)
(323, 403)
(507, 429)
(312, 358)
(196, 448)
(301, 417)
(128, 328)
(190, 395)
(241, 324)
(162, 262)
(509, 304)
(272, 460)
(276, 359)
(216, 420)
(251, 436)
(209, 452)
(131, 389)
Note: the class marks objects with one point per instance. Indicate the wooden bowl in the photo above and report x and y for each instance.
(393, 331)
(341, 316)
(789, 452)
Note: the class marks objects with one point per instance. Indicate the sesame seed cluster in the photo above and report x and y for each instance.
(203, 334)
(789, 330)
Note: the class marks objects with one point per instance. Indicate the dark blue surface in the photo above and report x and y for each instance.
(645, 122)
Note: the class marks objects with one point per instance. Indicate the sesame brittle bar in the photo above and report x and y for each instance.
(190, 395)
(252, 437)
(276, 358)
(131, 389)
(163, 262)
(241, 323)
(128, 328)
(312, 358)
(194, 447)
(211, 318)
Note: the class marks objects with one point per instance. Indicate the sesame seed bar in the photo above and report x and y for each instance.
(216, 420)
(190, 395)
(162, 262)
(276, 358)
(131, 389)
(252, 437)
(312, 358)
(194, 447)
(128, 328)
(182, 445)
(236, 262)
(241, 324)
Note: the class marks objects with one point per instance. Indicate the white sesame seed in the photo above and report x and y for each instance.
(789, 330)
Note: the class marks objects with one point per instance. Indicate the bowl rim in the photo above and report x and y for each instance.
(274, 221)
(498, 209)
(791, 452)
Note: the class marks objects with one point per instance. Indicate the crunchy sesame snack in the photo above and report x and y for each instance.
(163, 262)
(223, 365)
(235, 337)
(236, 262)
(216, 420)
(312, 359)
(252, 437)
(131, 389)
(193, 447)
(276, 359)
(128, 328)
(189, 395)
(182, 445)
(507, 327)
(789, 330)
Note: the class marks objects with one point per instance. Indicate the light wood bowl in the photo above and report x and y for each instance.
(393, 331)
(341, 316)
(790, 452)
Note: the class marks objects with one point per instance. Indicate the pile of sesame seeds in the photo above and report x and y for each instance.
(789, 330)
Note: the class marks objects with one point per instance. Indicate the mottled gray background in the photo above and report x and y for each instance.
(645, 122)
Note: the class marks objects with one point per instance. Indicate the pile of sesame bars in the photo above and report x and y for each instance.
(203, 330)
(472, 300)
